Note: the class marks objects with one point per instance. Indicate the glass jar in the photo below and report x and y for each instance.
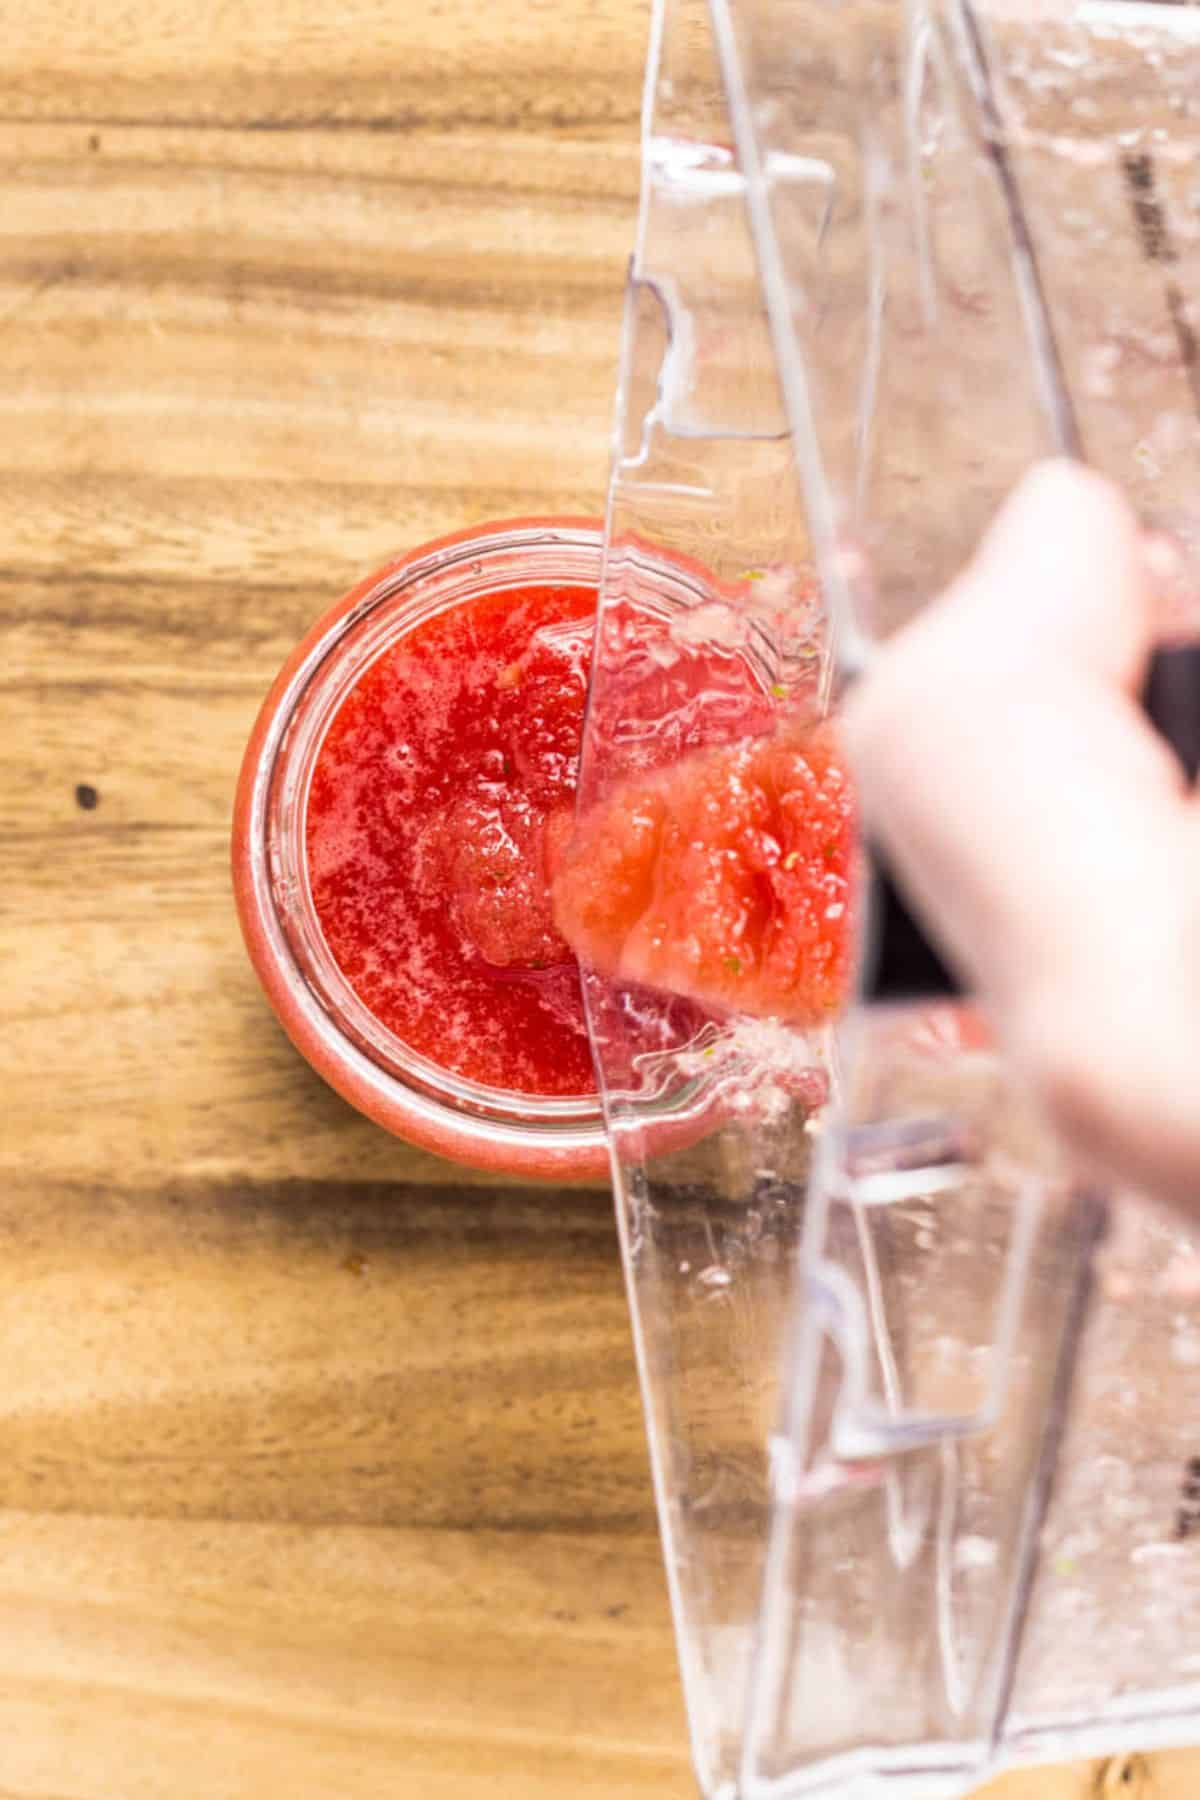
(492, 1128)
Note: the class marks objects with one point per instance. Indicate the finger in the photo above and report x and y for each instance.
(1024, 590)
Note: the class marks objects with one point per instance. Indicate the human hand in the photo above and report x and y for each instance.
(1043, 827)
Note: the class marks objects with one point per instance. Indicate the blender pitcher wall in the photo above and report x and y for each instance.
(972, 1459)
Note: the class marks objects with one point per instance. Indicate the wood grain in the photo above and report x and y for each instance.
(321, 1466)
(267, 370)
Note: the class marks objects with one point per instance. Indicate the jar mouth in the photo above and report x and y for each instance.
(403, 1090)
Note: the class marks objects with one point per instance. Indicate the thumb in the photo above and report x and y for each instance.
(1059, 580)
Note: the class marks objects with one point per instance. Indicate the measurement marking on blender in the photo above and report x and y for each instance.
(1158, 246)
(1187, 1519)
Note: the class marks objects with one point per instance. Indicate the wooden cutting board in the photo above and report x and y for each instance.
(321, 1463)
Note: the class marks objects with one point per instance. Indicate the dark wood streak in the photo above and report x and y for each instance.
(404, 123)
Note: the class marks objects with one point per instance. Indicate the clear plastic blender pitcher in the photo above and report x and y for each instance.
(924, 1414)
